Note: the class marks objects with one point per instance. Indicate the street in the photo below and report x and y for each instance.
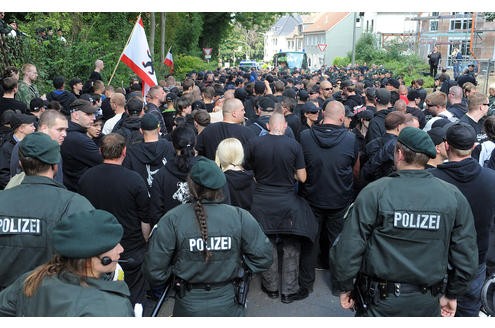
(320, 303)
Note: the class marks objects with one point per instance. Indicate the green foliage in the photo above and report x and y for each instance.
(185, 64)
(341, 61)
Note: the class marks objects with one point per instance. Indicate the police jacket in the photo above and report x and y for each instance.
(409, 227)
(28, 213)
(79, 153)
(176, 246)
(63, 296)
(330, 152)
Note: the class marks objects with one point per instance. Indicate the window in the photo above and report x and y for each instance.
(461, 23)
(434, 25)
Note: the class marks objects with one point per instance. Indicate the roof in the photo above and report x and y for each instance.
(324, 21)
(286, 24)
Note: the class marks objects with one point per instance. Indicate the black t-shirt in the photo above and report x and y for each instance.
(123, 193)
(13, 104)
(274, 160)
(214, 133)
(478, 127)
(294, 122)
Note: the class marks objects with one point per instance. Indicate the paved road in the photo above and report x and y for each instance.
(320, 303)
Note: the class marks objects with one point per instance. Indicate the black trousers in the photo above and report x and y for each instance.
(330, 223)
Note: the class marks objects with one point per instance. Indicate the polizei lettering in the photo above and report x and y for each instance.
(422, 221)
(214, 244)
(20, 226)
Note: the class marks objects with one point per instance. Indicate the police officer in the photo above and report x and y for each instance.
(74, 282)
(404, 234)
(202, 244)
(29, 211)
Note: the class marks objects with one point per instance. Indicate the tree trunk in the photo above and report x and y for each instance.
(152, 35)
(163, 21)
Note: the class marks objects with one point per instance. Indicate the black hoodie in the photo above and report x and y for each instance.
(241, 188)
(476, 183)
(330, 152)
(146, 158)
(377, 125)
(64, 97)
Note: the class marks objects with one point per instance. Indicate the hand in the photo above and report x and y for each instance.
(346, 301)
(447, 306)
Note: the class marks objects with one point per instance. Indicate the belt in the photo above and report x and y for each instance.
(208, 285)
(397, 288)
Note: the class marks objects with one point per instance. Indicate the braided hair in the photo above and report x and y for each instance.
(184, 141)
(198, 194)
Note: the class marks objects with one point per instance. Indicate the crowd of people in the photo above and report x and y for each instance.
(273, 172)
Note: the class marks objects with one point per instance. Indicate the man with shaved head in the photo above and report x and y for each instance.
(231, 127)
(277, 162)
(117, 103)
(330, 152)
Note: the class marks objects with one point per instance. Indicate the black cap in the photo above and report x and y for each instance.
(382, 96)
(171, 96)
(310, 107)
(18, 119)
(149, 122)
(437, 135)
(36, 104)
(393, 82)
(461, 136)
(348, 111)
(365, 114)
(266, 104)
(303, 95)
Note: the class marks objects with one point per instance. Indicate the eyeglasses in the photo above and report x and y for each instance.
(486, 104)
(312, 112)
(328, 89)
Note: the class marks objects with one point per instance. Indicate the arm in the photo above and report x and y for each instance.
(301, 175)
(447, 306)
(146, 229)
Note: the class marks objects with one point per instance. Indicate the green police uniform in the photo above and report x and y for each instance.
(64, 296)
(176, 247)
(408, 228)
(28, 213)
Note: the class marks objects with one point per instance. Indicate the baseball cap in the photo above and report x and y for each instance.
(394, 82)
(36, 104)
(348, 112)
(437, 135)
(303, 95)
(149, 122)
(382, 96)
(267, 104)
(18, 119)
(310, 107)
(171, 96)
(461, 136)
(82, 105)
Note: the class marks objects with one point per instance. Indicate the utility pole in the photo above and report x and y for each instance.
(354, 39)
(163, 21)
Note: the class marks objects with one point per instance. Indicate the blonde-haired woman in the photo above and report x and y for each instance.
(230, 158)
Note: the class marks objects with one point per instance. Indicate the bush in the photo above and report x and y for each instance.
(185, 64)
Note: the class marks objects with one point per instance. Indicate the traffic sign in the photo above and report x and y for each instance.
(322, 46)
(207, 51)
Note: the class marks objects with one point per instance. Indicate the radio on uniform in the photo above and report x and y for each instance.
(16, 226)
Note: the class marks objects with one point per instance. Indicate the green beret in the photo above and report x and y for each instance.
(206, 173)
(86, 234)
(418, 141)
(40, 146)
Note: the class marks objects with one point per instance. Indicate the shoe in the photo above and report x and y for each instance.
(301, 294)
(270, 294)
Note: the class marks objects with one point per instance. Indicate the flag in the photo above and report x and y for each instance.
(169, 60)
(137, 56)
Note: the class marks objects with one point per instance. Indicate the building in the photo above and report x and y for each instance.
(284, 35)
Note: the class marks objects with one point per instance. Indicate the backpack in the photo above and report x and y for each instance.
(485, 152)
(263, 131)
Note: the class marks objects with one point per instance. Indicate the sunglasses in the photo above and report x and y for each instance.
(486, 104)
(328, 89)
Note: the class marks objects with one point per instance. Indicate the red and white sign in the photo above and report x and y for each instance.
(207, 51)
(137, 56)
(322, 46)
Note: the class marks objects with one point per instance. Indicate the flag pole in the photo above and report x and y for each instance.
(129, 38)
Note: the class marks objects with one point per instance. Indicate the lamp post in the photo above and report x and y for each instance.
(354, 39)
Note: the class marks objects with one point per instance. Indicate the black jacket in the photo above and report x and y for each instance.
(128, 127)
(330, 152)
(79, 153)
(241, 187)
(377, 125)
(64, 97)
(381, 162)
(476, 183)
(146, 158)
(459, 110)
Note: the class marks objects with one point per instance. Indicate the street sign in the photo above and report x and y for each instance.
(207, 51)
(322, 46)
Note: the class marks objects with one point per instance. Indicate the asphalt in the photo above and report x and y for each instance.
(319, 303)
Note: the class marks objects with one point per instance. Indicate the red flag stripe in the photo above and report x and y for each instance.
(136, 69)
